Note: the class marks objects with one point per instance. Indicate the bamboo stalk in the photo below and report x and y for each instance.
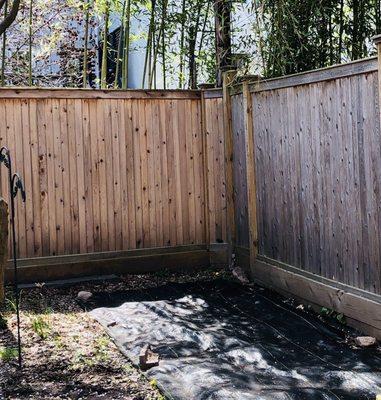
(104, 51)
(147, 61)
(30, 42)
(126, 47)
(4, 47)
(182, 37)
(120, 51)
(163, 19)
(86, 44)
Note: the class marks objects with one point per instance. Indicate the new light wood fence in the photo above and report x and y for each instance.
(114, 171)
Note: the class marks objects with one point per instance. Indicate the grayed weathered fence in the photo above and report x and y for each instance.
(114, 171)
(317, 162)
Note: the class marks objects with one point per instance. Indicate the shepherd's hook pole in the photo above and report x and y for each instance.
(15, 184)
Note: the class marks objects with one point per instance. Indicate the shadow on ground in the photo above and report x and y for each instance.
(220, 340)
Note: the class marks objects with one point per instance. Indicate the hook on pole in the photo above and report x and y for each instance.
(15, 186)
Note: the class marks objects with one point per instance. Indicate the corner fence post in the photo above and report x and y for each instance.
(205, 160)
(228, 78)
(3, 245)
(377, 41)
(250, 174)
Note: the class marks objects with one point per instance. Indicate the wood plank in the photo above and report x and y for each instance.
(43, 179)
(58, 183)
(103, 195)
(109, 175)
(205, 169)
(115, 134)
(27, 176)
(163, 141)
(88, 138)
(74, 206)
(95, 94)
(250, 174)
(324, 293)
(319, 75)
(138, 191)
(227, 79)
(95, 175)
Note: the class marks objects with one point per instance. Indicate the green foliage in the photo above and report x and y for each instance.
(296, 36)
(327, 312)
(270, 37)
(8, 353)
(41, 326)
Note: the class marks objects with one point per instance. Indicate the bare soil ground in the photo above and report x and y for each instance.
(66, 354)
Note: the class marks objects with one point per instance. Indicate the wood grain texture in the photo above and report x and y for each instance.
(112, 173)
(215, 177)
(318, 170)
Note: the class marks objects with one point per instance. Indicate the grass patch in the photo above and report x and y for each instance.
(41, 327)
(8, 353)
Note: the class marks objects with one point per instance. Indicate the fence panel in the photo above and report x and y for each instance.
(318, 168)
(108, 171)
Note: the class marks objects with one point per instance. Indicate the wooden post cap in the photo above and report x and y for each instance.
(376, 39)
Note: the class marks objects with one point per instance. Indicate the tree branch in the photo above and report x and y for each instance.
(7, 21)
(2, 2)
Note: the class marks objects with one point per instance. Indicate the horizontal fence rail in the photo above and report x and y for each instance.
(113, 170)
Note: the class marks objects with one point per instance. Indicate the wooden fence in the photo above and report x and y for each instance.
(114, 171)
(286, 172)
(316, 171)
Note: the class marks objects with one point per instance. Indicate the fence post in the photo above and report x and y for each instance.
(228, 78)
(3, 244)
(377, 41)
(205, 169)
(250, 174)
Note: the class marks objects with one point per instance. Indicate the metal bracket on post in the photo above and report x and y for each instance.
(15, 186)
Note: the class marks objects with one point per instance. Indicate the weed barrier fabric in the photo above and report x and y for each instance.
(220, 340)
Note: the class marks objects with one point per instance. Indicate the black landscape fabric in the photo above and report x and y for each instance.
(221, 340)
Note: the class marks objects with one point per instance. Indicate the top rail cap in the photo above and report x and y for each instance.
(376, 39)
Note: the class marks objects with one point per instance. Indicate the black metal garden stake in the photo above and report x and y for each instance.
(15, 184)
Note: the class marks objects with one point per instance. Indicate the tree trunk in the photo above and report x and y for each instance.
(9, 17)
(222, 13)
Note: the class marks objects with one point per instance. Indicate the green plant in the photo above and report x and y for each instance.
(101, 349)
(327, 312)
(153, 383)
(41, 327)
(8, 353)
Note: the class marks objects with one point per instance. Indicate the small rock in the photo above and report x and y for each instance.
(84, 296)
(365, 341)
(240, 275)
(147, 358)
